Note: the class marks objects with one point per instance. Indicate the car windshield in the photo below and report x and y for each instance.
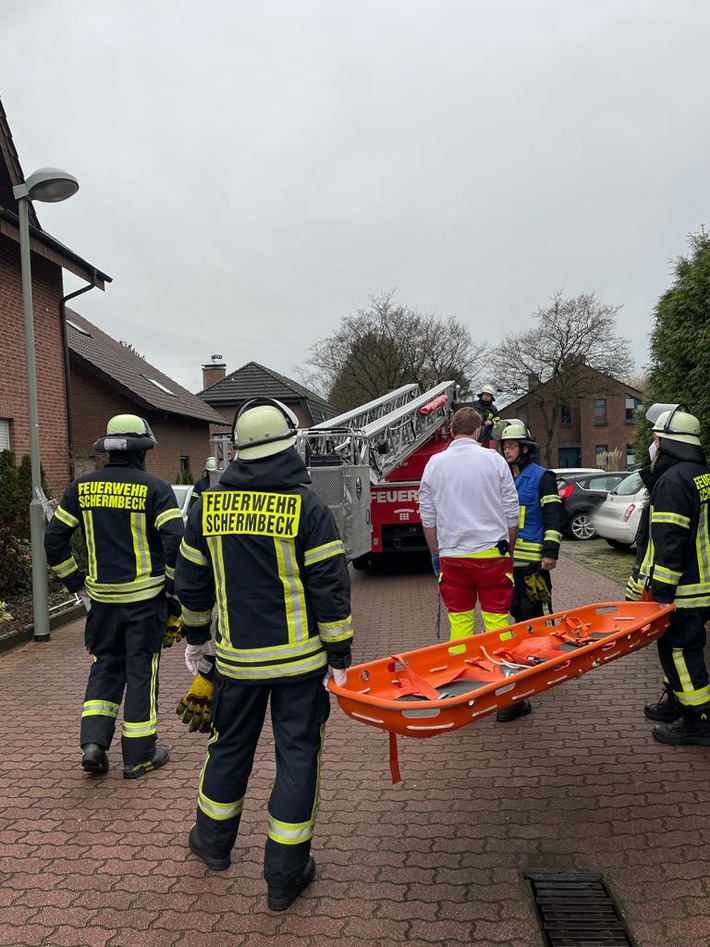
(629, 486)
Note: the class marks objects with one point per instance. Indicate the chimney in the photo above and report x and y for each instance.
(214, 371)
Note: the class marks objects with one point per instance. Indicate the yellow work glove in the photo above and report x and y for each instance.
(536, 589)
(173, 631)
(195, 707)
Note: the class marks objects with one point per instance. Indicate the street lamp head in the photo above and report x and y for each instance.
(50, 185)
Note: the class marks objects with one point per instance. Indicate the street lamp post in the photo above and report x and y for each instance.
(50, 185)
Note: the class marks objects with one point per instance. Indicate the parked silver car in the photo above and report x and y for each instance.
(617, 519)
(183, 492)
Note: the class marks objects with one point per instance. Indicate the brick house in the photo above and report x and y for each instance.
(49, 259)
(107, 378)
(227, 393)
(601, 419)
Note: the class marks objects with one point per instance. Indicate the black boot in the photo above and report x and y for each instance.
(215, 862)
(692, 729)
(159, 758)
(668, 708)
(278, 898)
(95, 760)
(521, 709)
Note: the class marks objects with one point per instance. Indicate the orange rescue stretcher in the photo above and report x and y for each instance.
(441, 687)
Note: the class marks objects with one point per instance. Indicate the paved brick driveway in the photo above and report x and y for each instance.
(436, 859)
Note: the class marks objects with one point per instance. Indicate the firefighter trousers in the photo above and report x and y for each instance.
(681, 652)
(125, 641)
(466, 580)
(299, 710)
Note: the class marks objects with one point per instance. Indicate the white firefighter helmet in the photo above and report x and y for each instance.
(211, 463)
(674, 423)
(487, 390)
(263, 427)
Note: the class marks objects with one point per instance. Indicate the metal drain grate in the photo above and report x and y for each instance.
(576, 910)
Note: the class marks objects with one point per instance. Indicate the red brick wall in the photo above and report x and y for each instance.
(583, 433)
(94, 402)
(51, 389)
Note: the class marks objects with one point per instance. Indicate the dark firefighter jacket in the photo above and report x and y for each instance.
(489, 413)
(265, 548)
(673, 557)
(202, 484)
(132, 527)
(540, 530)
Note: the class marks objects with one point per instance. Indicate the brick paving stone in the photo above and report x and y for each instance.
(437, 859)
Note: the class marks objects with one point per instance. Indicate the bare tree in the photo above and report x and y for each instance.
(378, 349)
(550, 363)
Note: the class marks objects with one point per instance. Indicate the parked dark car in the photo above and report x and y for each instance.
(581, 494)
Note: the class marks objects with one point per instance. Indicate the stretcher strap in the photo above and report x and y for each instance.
(394, 760)
(422, 686)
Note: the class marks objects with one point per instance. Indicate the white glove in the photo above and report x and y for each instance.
(194, 654)
(85, 600)
(339, 675)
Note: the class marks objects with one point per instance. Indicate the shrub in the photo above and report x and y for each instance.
(16, 558)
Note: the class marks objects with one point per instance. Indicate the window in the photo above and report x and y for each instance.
(600, 454)
(4, 434)
(161, 386)
(632, 406)
(600, 411)
(566, 415)
(184, 466)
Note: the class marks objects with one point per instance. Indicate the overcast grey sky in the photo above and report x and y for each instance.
(250, 172)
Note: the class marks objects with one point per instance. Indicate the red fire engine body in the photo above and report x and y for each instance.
(386, 442)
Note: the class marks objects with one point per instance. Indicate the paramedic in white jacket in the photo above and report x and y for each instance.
(470, 513)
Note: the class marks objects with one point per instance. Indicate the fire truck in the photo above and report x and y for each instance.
(368, 462)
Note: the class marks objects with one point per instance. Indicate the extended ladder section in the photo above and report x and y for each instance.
(384, 442)
(372, 411)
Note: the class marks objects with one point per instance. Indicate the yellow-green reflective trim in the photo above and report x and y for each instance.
(272, 671)
(688, 695)
(66, 518)
(493, 620)
(219, 811)
(294, 595)
(193, 555)
(493, 553)
(290, 833)
(702, 545)
(90, 546)
(120, 598)
(669, 576)
(153, 582)
(674, 519)
(100, 708)
(549, 498)
(552, 535)
(141, 548)
(277, 652)
(169, 572)
(191, 618)
(162, 518)
(144, 728)
(219, 574)
(326, 551)
(65, 568)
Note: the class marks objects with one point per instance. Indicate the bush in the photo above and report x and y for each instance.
(16, 558)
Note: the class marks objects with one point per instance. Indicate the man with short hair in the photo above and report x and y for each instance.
(470, 513)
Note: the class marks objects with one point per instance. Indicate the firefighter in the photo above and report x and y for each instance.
(265, 548)
(672, 565)
(537, 547)
(470, 511)
(132, 527)
(204, 482)
(485, 405)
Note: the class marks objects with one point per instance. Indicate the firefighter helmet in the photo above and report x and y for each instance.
(487, 390)
(673, 422)
(263, 427)
(211, 463)
(513, 429)
(126, 432)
